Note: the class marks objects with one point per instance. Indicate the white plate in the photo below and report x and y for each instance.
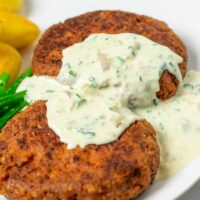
(182, 16)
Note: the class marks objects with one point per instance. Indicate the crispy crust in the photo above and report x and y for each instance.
(48, 53)
(35, 165)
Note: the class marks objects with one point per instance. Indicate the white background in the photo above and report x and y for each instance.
(183, 16)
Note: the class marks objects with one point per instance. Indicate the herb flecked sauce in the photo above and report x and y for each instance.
(107, 82)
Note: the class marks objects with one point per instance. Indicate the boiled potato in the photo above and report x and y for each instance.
(16, 30)
(11, 5)
(10, 60)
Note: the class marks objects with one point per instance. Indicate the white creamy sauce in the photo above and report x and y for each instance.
(177, 122)
(91, 117)
(99, 120)
(109, 81)
(100, 80)
(129, 62)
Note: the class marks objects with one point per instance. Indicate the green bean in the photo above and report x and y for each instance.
(5, 109)
(12, 112)
(9, 99)
(12, 89)
(4, 78)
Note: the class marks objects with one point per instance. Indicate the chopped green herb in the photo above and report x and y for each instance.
(71, 87)
(50, 91)
(121, 59)
(104, 85)
(95, 37)
(79, 96)
(68, 65)
(114, 109)
(148, 111)
(173, 66)
(118, 72)
(94, 83)
(188, 85)
(170, 63)
(132, 51)
(117, 84)
(155, 102)
(161, 126)
(81, 62)
(140, 77)
(72, 73)
(137, 47)
(132, 102)
(102, 116)
(80, 100)
(162, 68)
(84, 132)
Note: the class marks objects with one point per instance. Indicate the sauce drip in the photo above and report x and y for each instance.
(177, 123)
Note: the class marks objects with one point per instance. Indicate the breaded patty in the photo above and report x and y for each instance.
(48, 53)
(35, 165)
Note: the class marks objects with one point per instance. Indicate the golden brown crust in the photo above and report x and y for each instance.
(35, 165)
(47, 56)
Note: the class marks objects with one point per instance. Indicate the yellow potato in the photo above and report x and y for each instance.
(11, 5)
(10, 60)
(16, 30)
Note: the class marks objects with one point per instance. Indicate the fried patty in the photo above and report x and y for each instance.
(35, 165)
(48, 53)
